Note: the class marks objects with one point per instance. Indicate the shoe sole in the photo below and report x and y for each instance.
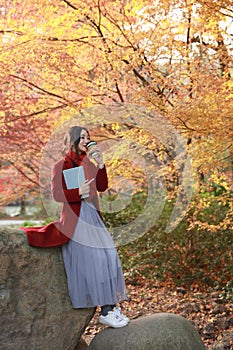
(115, 326)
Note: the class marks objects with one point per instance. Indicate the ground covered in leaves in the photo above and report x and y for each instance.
(211, 315)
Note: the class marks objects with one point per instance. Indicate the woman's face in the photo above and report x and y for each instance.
(84, 139)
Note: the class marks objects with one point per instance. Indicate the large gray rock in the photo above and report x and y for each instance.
(162, 331)
(35, 309)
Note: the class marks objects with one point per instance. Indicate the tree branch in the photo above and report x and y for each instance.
(45, 110)
(23, 173)
(17, 32)
(70, 5)
(185, 124)
(81, 39)
(119, 92)
(158, 92)
(39, 88)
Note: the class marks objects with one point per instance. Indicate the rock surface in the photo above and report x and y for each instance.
(35, 309)
(162, 331)
(82, 345)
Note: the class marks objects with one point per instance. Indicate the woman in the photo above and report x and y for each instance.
(92, 265)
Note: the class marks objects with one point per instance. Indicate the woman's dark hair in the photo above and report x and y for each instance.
(72, 138)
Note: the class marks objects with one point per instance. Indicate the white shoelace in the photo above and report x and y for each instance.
(118, 313)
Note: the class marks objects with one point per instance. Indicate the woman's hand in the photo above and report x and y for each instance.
(85, 187)
(97, 155)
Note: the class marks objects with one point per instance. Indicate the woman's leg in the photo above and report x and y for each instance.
(105, 309)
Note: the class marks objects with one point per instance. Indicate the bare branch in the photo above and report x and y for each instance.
(38, 88)
(17, 32)
(81, 39)
(45, 110)
(158, 92)
(70, 5)
(25, 175)
(185, 124)
(119, 92)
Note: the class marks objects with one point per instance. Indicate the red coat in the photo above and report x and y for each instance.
(60, 232)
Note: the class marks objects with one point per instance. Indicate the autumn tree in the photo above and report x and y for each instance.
(59, 57)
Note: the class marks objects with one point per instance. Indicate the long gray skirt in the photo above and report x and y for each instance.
(93, 269)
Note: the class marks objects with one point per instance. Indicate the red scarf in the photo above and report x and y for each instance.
(74, 159)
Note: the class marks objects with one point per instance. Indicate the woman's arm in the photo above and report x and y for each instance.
(58, 187)
(101, 180)
(101, 173)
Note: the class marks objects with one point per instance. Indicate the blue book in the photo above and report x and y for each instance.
(74, 177)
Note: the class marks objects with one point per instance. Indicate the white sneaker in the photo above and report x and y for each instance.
(121, 316)
(112, 320)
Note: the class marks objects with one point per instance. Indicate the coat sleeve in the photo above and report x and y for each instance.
(58, 187)
(101, 180)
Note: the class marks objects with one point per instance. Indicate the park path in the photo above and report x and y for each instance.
(14, 222)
